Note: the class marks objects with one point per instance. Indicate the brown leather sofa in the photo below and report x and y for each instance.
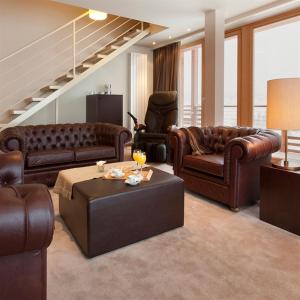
(230, 174)
(47, 149)
(26, 230)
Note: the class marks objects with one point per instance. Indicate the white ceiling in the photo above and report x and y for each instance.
(178, 15)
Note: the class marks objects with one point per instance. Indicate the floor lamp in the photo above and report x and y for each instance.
(283, 112)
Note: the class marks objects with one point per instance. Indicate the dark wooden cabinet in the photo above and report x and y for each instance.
(104, 108)
(280, 198)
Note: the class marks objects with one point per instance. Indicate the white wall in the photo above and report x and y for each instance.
(71, 106)
(23, 21)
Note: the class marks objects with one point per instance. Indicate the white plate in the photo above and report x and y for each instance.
(130, 183)
(115, 176)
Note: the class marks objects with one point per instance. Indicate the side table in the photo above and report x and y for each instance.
(280, 198)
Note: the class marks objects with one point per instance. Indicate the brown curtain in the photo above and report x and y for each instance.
(166, 68)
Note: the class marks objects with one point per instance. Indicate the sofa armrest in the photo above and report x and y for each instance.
(26, 218)
(179, 145)
(139, 127)
(253, 147)
(11, 140)
(11, 168)
(249, 148)
(113, 135)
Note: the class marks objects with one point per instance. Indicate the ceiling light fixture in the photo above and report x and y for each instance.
(170, 37)
(188, 30)
(97, 15)
(153, 43)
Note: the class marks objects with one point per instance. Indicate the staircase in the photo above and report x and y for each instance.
(36, 75)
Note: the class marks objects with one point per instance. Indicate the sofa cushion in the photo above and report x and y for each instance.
(211, 163)
(92, 153)
(49, 157)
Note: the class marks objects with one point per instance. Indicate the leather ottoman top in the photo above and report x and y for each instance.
(102, 188)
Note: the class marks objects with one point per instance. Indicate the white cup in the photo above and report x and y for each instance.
(100, 165)
(100, 168)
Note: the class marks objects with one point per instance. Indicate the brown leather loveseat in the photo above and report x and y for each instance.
(47, 149)
(26, 230)
(230, 174)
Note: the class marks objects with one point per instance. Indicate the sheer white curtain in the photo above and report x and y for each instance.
(138, 86)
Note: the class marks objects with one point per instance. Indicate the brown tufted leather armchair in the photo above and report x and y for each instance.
(26, 230)
(230, 174)
(162, 113)
(47, 149)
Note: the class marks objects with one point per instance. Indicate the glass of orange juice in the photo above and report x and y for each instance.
(141, 159)
(135, 155)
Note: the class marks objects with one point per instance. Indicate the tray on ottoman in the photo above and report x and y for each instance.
(107, 214)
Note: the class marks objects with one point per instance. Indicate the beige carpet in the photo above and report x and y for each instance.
(218, 254)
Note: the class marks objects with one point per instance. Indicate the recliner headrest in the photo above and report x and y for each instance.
(163, 98)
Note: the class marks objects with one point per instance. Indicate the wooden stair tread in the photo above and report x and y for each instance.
(108, 50)
(50, 88)
(95, 58)
(34, 99)
(121, 41)
(18, 111)
(133, 33)
(84, 66)
(64, 77)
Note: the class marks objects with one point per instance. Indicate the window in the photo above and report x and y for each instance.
(230, 80)
(276, 55)
(191, 86)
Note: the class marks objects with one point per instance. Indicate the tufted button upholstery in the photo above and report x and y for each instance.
(45, 146)
(234, 179)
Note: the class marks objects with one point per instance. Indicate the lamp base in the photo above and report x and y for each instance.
(290, 165)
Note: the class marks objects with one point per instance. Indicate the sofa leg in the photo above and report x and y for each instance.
(234, 209)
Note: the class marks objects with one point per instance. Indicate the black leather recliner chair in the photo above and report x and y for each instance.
(162, 113)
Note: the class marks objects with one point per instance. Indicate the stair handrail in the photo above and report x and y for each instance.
(76, 51)
(66, 49)
(49, 82)
(103, 36)
(97, 30)
(63, 39)
(114, 39)
(44, 37)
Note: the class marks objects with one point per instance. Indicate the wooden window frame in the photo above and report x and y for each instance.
(245, 34)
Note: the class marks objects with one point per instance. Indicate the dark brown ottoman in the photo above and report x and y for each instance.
(107, 214)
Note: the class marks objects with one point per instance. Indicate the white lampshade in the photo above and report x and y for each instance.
(283, 108)
(97, 15)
